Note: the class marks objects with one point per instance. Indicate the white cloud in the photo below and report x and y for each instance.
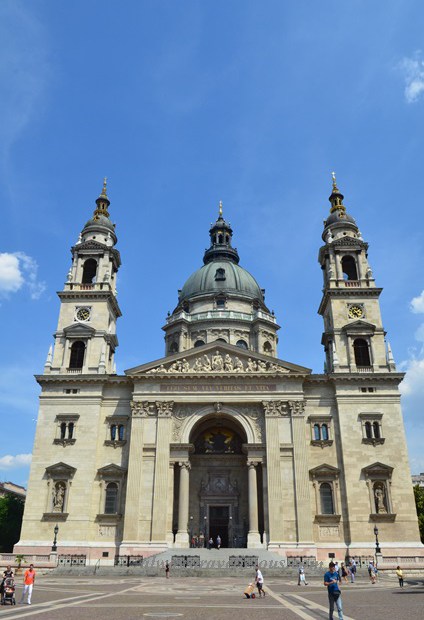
(11, 462)
(17, 269)
(413, 71)
(417, 304)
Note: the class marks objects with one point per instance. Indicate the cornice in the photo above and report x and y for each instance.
(80, 378)
(92, 294)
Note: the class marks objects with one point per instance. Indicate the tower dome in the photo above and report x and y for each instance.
(221, 301)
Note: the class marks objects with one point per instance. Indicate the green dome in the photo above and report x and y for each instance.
(221, 276)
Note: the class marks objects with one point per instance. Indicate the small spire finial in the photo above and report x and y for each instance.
(220, 208)
(335, 188)
(104, 190)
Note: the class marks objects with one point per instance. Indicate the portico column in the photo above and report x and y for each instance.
(169, 524)
(253, 539)
(181, 538)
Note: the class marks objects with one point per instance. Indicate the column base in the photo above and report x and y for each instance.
(170, 539)
(254, 541)
(181, 540)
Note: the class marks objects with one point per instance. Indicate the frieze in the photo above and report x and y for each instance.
(222, 387)
(275, 408)
(217, 363)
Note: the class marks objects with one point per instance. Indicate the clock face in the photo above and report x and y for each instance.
(356, 312)
(83, 314)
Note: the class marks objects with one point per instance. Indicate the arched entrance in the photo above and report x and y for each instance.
(218, 502)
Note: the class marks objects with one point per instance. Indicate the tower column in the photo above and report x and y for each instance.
(253, 539)
(181, 539)
(301, 470)
(135, 475)
(160, 493)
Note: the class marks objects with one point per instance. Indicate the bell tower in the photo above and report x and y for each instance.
(353, 335)
(85, 339)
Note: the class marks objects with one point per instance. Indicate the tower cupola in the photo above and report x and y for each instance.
(339, 223)
(221, 235)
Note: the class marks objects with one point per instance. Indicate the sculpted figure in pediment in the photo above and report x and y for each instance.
(206, 366)
(198, 365)
(238, 365)
(251, 365)
(228, 364)
(217, 362)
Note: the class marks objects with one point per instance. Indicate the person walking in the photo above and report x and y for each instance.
(7, 574)
(301, 576)
(29, 580)
(332, 582)
(218, 542)
(259, 580)
(352, 570)
(399, 573)
(167, 570)
(210, 543)
(344, 572)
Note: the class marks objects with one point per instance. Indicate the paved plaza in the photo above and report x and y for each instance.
(84, 598)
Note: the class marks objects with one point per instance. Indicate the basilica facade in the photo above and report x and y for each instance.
(220, 436)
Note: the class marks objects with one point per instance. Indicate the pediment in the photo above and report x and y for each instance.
(324, 471)
(378, 470)
(218, 358)
(78, 330)
(111, 471)
(60, 470)
(359, 326)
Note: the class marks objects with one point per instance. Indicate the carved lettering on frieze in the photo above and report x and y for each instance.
(297, 407)
(275, 407)
(164, 408)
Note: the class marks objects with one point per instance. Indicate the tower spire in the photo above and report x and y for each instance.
(102, 202)
(220, 209)
(336, 197)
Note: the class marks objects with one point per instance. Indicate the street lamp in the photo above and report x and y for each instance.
(377, 546)
(56, 531)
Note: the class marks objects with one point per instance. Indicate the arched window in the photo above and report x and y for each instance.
(267, 347)
(220, 274)
(324, 432)
(349, 268)
(77, 355)
(121, 432)
(242, 344)
(368, 430)
(220, 238)
(326, 495)
(113, 432)
(220, 340)
(70, 430)
(111, 501)
(362, 354)
(199, 343)
(63, 430)
(89, 271)
(174, 347)
(317, 435)
(376, 429)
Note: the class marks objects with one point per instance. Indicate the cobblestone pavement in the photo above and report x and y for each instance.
(130, 598)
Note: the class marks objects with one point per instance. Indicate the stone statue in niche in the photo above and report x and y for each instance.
(58, 497)
(379, 500)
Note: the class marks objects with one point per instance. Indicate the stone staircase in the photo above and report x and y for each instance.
(202, 563)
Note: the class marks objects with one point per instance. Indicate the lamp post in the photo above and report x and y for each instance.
(377, 546)
(205, 532)
(56, 531)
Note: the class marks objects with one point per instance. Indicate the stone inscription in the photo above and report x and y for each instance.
(230, 387)
(329, 531)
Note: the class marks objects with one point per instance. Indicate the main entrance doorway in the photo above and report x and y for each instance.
(219, 518)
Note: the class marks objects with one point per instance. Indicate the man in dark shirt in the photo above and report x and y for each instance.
(332, 581)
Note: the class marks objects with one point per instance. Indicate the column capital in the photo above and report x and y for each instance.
(252, 464)
(141, 408)
(184, 465)
(297, 407)
(275, 408)
(164, 408)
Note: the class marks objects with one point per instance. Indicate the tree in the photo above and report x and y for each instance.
(11, 512)
(419, 501)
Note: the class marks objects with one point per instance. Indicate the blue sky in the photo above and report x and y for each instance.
(182, 104)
